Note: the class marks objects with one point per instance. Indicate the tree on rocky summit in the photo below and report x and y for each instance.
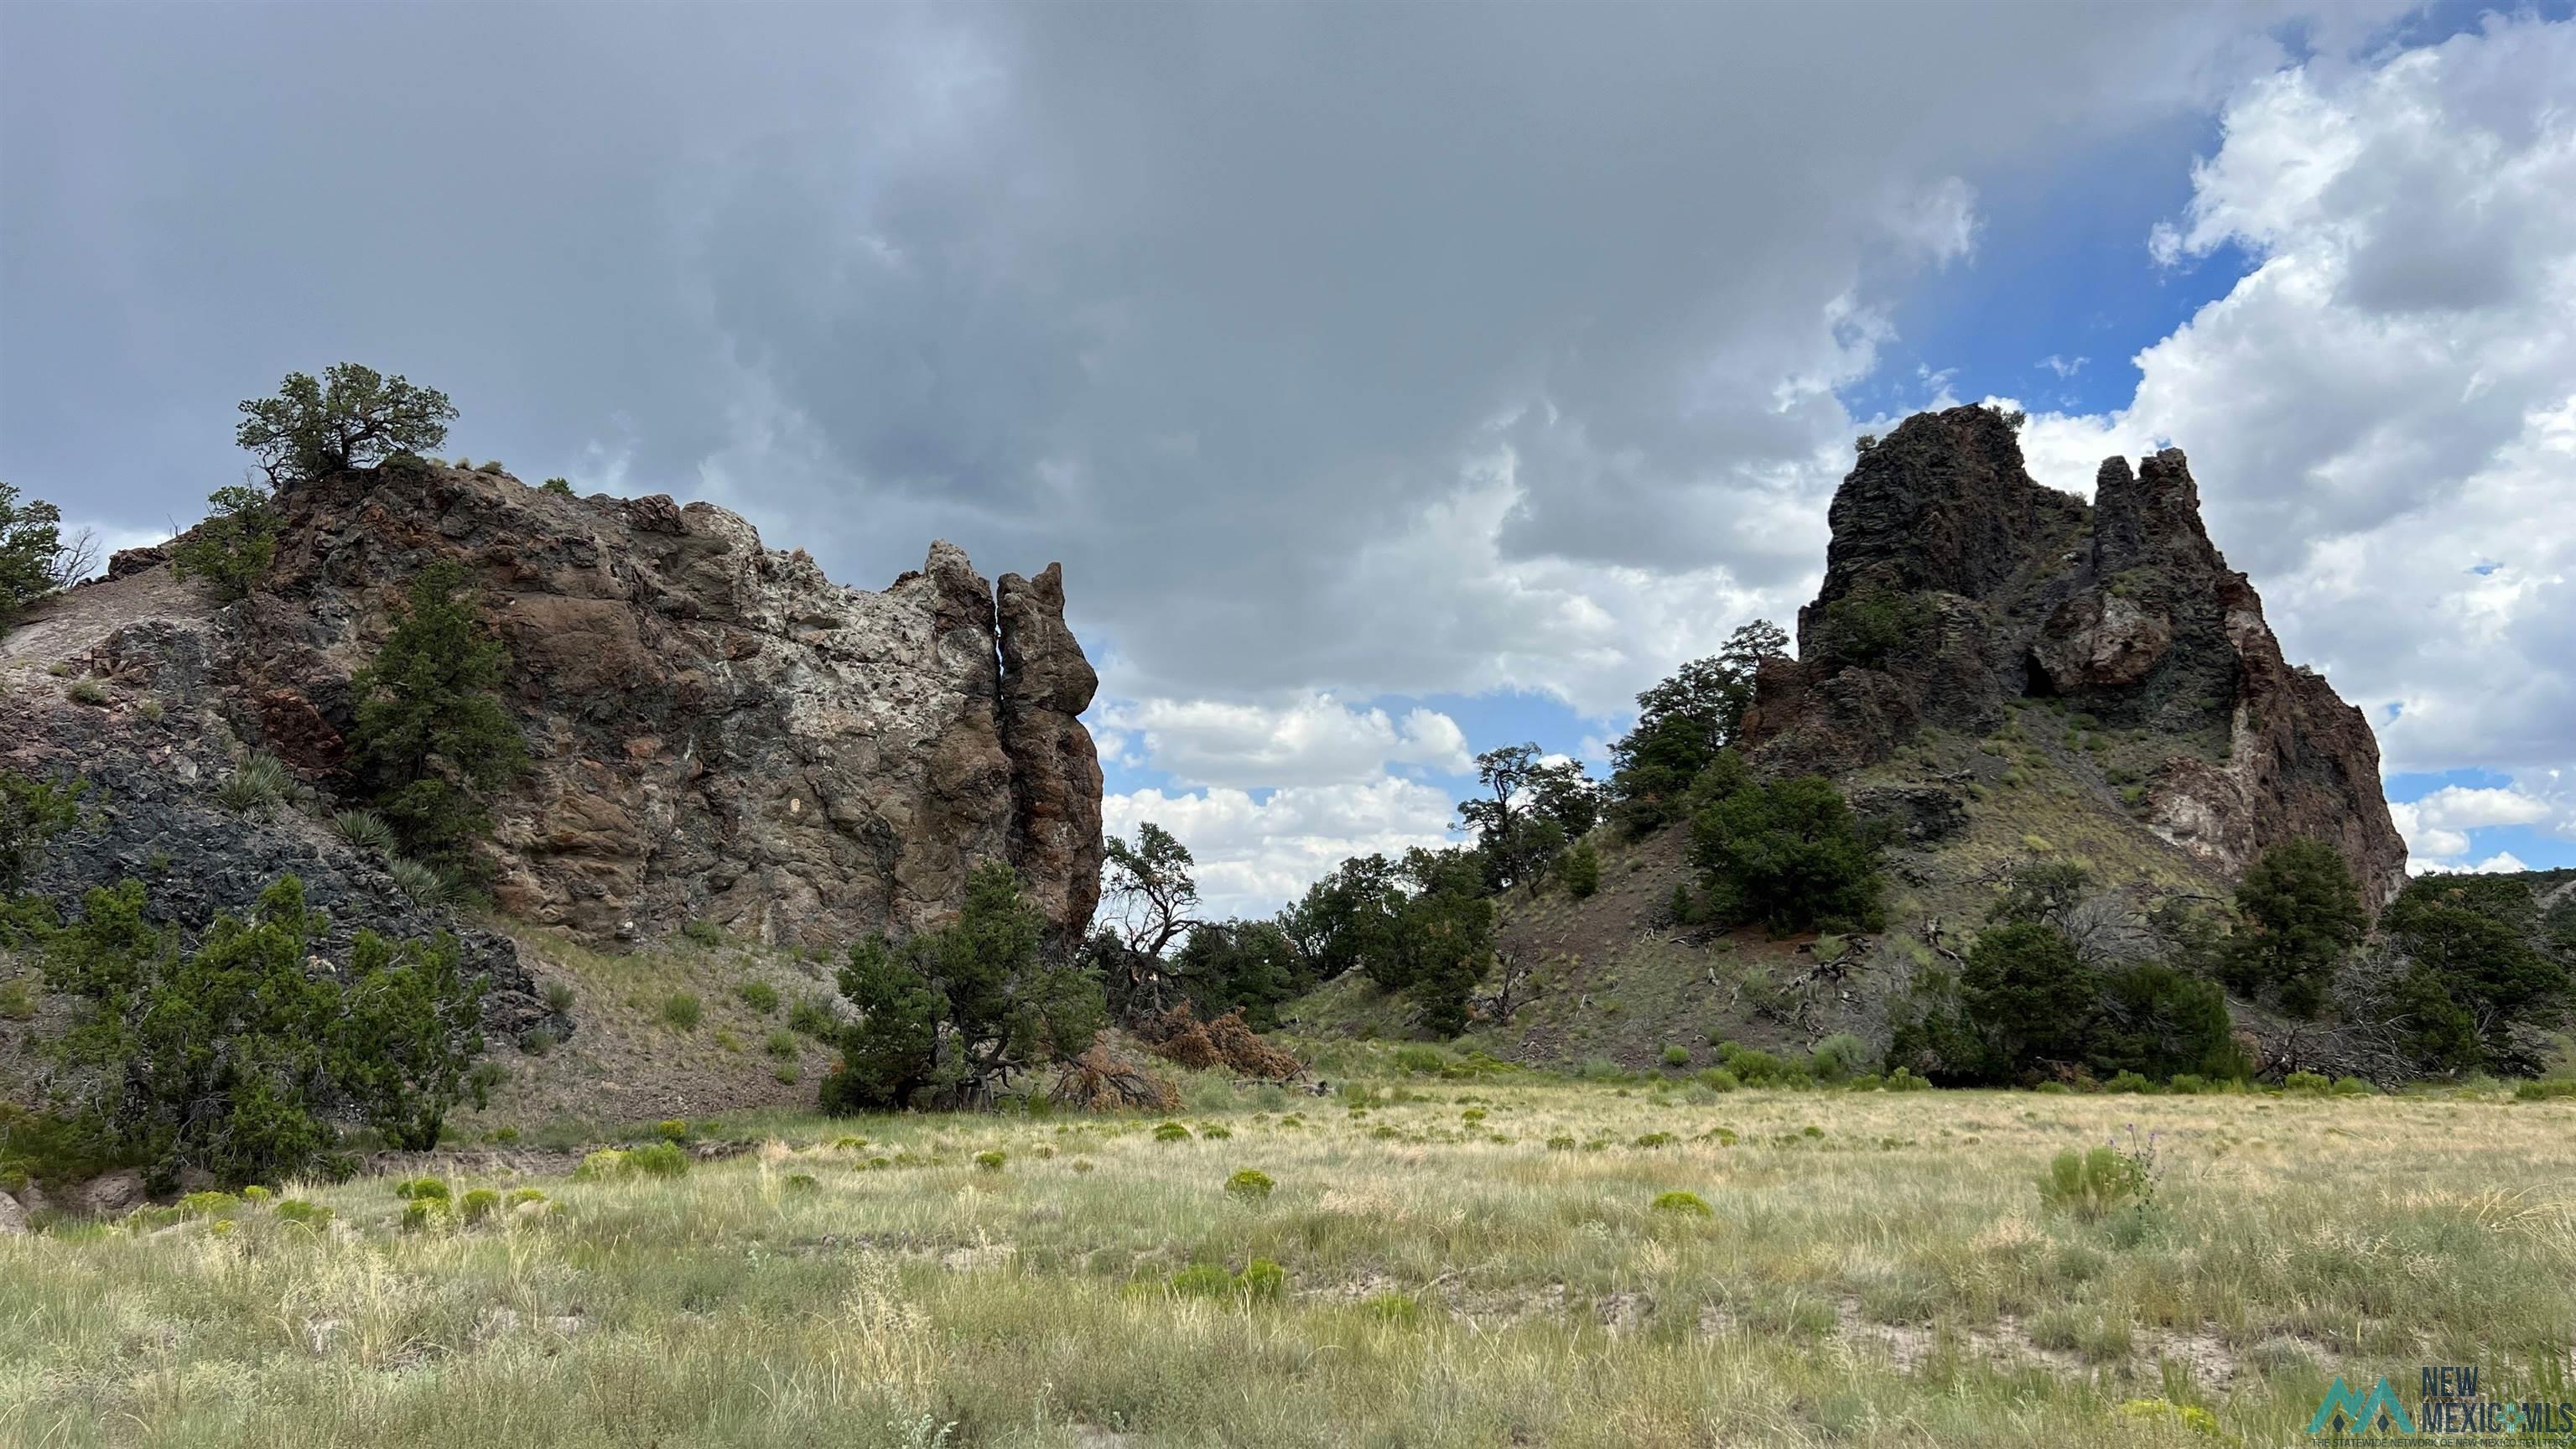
(946, 1017)
(234, 545)
(354, 417)
(2303, 916)
(432, 737)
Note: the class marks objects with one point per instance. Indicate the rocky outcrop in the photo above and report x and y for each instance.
(1999, 589)
(717, 731)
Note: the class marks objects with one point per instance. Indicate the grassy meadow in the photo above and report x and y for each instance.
(1457, 1262)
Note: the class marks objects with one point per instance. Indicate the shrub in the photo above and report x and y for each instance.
(788, 1074)
(86, 691)
(1719, 1079)
(17, 1003)
(1582, 869)
(2544, 1091)
(558, 485)
(657, 1159)
(1677, 1056)
(802, 1182)
(1264, 1281)
(258, 782)
(1203, 1280)
(2353, 1087)
(208, 1205)
(413, 1189)
(34, 559)
(418, 882)
(601, 1166)
(1902, 1080)
(432, 738)
(393, 1038)
(559, 995)
(233, 547)
(479, 1204)
(703, 932)
(363, 830)
(1171, 1132)
(812, 1018)
(424, 1215)
(32, 813)
(1560, 1143)
(522, 1196)
(1249, 1185)
(1688, 1204)
(307, 1214)
(1401, 1309)
(782, 1045)
(989, 1161)
(1420, 1060)
(1788, 853)
(1870, 624)
(353, 418)
(760, 996)
(2129, 1082)
(672, 1129)
(1838, 1057)
(682, 1011)
(2306, 1084)
(944, 1015)
(2094, 1183)
(1655, 1139)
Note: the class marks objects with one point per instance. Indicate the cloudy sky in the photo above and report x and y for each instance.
(1392, 380)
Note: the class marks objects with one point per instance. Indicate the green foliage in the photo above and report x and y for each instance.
(558, 485)
(1677, 1056)
(2476, 967)
(989, 1161)
(479, 1204)
(411, 1188)
(559, 995)
(86, 691)
(363, 830)
(304, 1214)
(418, 882)
(1249, 1185)
(782, 1045)
(2303, 916)
(17, 1001)
(702, 932)
(223, 1058)
(1171, 1132)
(672, 1129)
(1684, 1204)
(1246, 966)
(432, 738)
(34, 559)
(1870, 624)
(1788, 853)
(32, 813)
(681, 1011)
(235, 544)
(1263, 1281)
(2157, 1022)
(1581, 867)
(656, 1159)
(760, 996)
(258, 782)
(945, 1014)
(352, 418)
(812, 1018)
(605, 1165)
(1683, 722)
(2094, 1184)
(1838, 1058)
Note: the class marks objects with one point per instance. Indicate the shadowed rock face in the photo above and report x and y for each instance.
(2124, 609)
(716, 731)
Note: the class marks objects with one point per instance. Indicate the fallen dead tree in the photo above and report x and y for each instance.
(1178, 1036)
(1099, 1080)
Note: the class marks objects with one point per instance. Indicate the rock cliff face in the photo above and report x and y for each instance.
(716, 730)
(1955, 585)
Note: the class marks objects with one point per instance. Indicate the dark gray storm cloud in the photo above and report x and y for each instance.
(1330, 346)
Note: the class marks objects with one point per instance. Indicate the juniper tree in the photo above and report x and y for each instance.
(432, 738)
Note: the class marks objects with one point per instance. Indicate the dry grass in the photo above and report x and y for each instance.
(1889, 1277)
